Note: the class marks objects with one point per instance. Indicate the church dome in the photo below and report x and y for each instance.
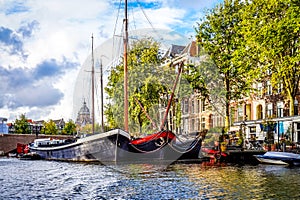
(83, 116)
(84, 110)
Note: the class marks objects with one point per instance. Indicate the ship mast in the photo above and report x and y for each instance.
(125, 71)
(93, 88)
(101, 83)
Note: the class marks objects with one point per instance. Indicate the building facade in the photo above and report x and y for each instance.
(270, 106)
(249, 116)
(197, 113)
(36, 127)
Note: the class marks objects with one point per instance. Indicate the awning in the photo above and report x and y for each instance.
(268, 127)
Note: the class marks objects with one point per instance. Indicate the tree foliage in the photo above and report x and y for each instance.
(148, 81)
(49, 128)
(220, 37)
(87, 129)
(252, 41)
(22, 125)
(144, 86)
(70, 128)
(197, 80)
(272, 31)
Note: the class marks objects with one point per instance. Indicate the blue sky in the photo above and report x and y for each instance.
(43, 45)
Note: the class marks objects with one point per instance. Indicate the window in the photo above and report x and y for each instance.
(296, 107)
(280, 107)
(269, 88)
(270, 110)
(252, 129)
(203, 105)
(248, 112)
(215, 121)
(240, 113)
(259, 112)
(185, 125)
(198, 106)
(260, 90)
(192, 106)
(203, 123)
(193, 125)
(185, 106)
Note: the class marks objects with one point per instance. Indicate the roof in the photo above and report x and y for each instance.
(84, 109)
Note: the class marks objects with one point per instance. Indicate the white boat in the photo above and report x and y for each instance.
(279, 158)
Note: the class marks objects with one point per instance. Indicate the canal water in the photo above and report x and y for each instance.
(21, 179)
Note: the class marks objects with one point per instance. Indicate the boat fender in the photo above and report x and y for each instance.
(160, 141)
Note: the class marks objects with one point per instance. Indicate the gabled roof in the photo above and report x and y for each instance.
(191, 49)
(175, 50)
(59, 121)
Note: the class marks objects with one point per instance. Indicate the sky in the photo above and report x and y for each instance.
(44, 43)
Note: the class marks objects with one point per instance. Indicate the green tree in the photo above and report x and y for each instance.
(98, 128)
(49, 128)
(70, 128)
(88, 129)
(197, 80)
(144, 86)
(207, 81)
(21, 125)
(221, 38)
(272, 30)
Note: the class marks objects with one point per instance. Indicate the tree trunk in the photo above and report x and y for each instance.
(227, 100)
(292, 107)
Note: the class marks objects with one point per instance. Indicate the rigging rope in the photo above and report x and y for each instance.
(117, 19)
(151, 139)
(119, 46)
(142, 151)
(152, 27)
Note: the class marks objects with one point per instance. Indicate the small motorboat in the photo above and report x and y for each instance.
(212, 154)
(279, 158)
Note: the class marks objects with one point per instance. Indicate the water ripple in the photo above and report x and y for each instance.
(61, 180)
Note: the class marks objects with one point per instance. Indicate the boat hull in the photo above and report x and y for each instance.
(279, 158)
(271, 161)
(103, 147)
(116, 147)
(167, 152)
(190, 150)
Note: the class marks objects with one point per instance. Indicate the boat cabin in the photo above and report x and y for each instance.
(48, 142)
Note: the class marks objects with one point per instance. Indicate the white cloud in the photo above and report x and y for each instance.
(162, 18)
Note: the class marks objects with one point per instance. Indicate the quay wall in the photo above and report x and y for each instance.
(8, 142)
